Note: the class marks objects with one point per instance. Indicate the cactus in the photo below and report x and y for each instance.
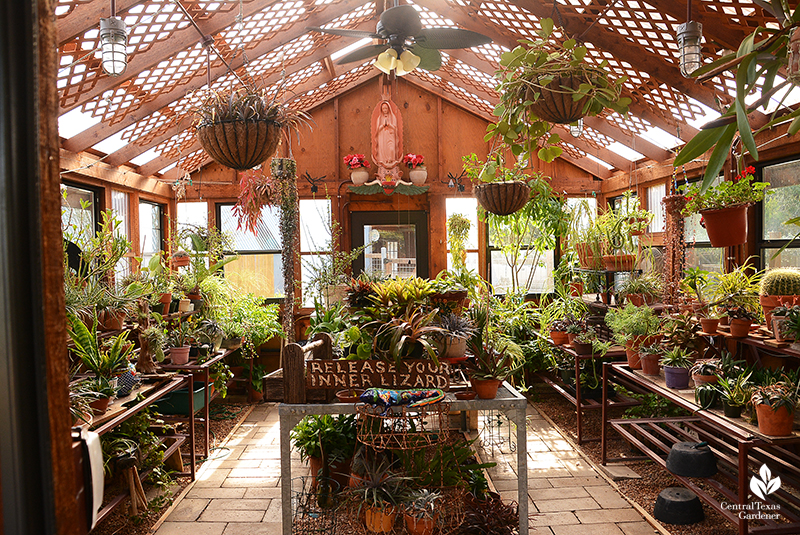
(781, 282)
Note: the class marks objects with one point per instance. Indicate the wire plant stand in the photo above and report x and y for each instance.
(404, 428)
(314, 507)
(497, 431)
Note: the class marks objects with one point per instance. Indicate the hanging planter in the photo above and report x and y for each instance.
(556, 103)
(502, 198)
(726, 226)
(241, 129)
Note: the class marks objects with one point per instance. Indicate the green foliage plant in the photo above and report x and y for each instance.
(411, 335)
(780, 394)
(680, 330)
(381, 486)
(335, 436)
(457, 234)
(495, 356)
(735, 391)
(529, 70)
(103, 360)
(677, 358)
(421, 503)
(633, 321)
(739, 191)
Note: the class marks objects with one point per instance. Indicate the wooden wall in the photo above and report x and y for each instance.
(438, 129)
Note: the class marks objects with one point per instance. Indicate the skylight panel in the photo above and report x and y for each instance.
(708, 114)
(661, 138)
(625, 151)
(791, 94)
(112, 143)
(346, 50)
(145, 157)
(167, 168)
(599, 161)
(74, 122)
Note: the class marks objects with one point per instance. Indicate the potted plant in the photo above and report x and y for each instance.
(419, 511)
(641, 289)
(457, 330)
(417, 172)
(495, 357)
(705, 371)
(680, 330)
(741, 319)
(543, 82)
(676, 363)
(780, 326)
(724, 207)
(358, 166)
(735, 392)
(572, 330)
(582, 344)
(104, 360)
(328, 443)
(255, 382)
(178, 340)
(792, 326)
(775, 405)
(709, 322)
(410, 335)
(380, 492)
(241, 128)
(650, 356)
(634, 327)
(102, 390)
(458, 227)
(778, 287)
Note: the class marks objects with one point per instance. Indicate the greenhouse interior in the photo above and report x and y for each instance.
(432, 267)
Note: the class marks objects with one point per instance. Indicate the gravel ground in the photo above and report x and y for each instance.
(642, 491)
(231, 411)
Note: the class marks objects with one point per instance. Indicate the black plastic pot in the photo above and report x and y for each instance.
(677, 505)
(731, 411)
(692, 459)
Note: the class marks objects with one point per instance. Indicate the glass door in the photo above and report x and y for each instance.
(397, 243)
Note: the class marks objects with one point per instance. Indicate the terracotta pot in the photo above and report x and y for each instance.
(419, 526)
(709, 325)
(775, 423)
(636, 299)
(180, 261)
(456, 347)
(359, 176)
(253, 395)
(726, 226)
(585, 255)
(502, 198)
(576, 289)
(350, 395)
(777, 332)
(559, 338)
(675, 377)
(740, 328)
(100, 405)
(379, 520)
(179, 355)
(486, 388)
(339, 471)
(724, 320)
(650, 365)
(571, 337)
(165, 299)
(769, 302)
(240, 145)
(703, 379)
(621, 262)
(634, 362)
(111, 320)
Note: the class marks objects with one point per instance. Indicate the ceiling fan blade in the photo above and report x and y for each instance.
(344, 32)
(429, 58)
(362, 53)
(446, 38)
(401, 20)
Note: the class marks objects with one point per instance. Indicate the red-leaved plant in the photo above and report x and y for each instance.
(354, 161)
(413, 160)
(255, 191)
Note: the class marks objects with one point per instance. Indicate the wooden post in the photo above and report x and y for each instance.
(294, 369)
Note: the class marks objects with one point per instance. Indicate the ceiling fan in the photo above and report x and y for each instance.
(407, 45)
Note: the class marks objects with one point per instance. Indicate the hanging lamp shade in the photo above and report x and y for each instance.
(406, 63)
(114, 46)
(386, 61)
(690, 36)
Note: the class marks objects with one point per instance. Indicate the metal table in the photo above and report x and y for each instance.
(508, 400)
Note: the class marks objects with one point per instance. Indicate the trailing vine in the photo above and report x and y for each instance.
(284, 174)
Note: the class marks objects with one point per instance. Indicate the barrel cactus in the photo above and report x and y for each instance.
(781, 282)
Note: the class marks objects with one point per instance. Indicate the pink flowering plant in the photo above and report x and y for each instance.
(413, 160)
(740, 190)
(355, 161)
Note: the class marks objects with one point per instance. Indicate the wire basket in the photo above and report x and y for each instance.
(403, 427)
(314, 507)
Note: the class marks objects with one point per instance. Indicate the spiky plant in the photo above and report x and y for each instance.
(781, 282)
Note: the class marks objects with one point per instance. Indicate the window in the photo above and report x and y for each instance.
(778, 207)
(699, 253)
(258, 269)
(150, 230)
(192, 214)
(654, 196)
(467, 207)
(119, 203)
(521, 255)
(78, 214)
(316, 246)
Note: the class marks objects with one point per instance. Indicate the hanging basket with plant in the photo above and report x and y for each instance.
(241, 128)
(545, 82)
(499, 190)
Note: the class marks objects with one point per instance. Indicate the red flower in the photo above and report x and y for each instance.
(703, 221)
(354, 161)
(413, 160)
(750, 170)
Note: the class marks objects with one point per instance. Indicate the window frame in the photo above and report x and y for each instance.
(761, 244)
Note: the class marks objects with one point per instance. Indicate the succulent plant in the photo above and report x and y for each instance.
(781, 282)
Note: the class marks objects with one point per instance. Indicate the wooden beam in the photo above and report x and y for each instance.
(715, 24)
(186, 39)
(156, 164)
(627, 138)
(610, 157)
(132, 150)
(85, 165)
(97, 133)
(590, 166)
(85, 17)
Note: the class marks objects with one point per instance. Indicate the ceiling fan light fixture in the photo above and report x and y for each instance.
(113, 43)
(576, 128)
(386, 61)
(690, 36)
(408, 62)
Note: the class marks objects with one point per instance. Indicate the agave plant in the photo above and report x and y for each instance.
(409, 336)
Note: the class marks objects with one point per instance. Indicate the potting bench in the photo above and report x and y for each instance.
(508, 400)
(740, 450)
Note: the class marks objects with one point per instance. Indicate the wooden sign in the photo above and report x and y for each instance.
(377, 373)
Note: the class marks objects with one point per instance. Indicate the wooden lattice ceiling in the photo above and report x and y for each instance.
(149, 106)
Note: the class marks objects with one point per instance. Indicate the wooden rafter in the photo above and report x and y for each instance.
(97, 133)
(627, 138)
(92, 167)
(85, 17)
(715, 24)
